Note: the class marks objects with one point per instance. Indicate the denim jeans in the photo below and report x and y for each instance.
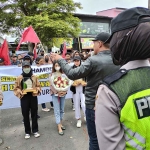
(59, 104)
(90, 121)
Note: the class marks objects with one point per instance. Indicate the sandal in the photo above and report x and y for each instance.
(61, 133)
(63, 128)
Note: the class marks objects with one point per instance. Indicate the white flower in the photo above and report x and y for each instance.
(55, 80)
(63, 79)
(58, 82)
(57, 86)
(65, 85)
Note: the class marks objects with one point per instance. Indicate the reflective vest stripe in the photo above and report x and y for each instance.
(129, 133)
(135, 145)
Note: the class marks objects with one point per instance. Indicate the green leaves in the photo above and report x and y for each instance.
(50, 18)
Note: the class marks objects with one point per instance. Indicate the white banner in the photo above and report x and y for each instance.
(8, 76)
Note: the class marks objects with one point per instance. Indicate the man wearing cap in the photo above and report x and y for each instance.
(95, 68)
(123, 100)
(14, 60)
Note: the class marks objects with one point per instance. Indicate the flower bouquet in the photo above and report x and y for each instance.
(61, 83)
(78, 82)
(1, 102)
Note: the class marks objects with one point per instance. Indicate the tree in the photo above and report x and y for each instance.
(49, 18)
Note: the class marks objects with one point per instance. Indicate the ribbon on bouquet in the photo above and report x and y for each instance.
(58, 99)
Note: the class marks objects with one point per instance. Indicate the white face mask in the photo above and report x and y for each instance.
(57, 68)
(26, 70)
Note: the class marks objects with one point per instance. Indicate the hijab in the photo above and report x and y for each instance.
(131, 44)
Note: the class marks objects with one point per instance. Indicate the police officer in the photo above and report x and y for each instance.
(123, 101)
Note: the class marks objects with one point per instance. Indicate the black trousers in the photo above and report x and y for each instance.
(29, 104)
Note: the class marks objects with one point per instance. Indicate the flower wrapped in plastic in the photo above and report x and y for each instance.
(61, 83)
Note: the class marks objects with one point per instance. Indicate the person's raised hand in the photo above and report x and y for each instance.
(55, 57)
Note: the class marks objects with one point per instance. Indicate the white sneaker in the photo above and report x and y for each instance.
(73, 108)
(85, 119)
(79, 122)
(45, 109)
(36, 134)
(27, 136)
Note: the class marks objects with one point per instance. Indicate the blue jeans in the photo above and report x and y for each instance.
(58, 108)
(90, 121)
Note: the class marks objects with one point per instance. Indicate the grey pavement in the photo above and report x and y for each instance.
(12, 131)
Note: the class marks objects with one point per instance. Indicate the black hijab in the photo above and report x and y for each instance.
(131, 44)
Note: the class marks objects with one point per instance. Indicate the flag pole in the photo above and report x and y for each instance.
(34, 50)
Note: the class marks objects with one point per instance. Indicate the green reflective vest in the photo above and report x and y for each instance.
(133, 90)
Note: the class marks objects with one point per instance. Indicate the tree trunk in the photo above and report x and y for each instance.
(30, 47)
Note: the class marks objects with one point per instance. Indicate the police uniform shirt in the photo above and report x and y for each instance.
(107, 112)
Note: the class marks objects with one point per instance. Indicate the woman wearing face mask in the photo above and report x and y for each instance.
(29, 101)
(58, 99)
(78, 94)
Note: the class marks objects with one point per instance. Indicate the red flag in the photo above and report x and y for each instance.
(35, 53)
(29, 35)
(64, 50)
(4, 53)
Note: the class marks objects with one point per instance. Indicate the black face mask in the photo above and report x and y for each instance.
(46, 60)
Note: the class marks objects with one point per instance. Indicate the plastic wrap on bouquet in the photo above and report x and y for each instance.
(79, 82)
(61, 83)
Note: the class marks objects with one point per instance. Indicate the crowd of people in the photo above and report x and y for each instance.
(117, 100)
(26, 61)
(44, 58)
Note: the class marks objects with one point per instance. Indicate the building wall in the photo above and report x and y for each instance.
(110, 12)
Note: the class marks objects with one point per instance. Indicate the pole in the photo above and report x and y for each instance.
(79, 44)
(149, 4)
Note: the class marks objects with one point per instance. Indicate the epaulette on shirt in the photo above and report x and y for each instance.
(114, 77)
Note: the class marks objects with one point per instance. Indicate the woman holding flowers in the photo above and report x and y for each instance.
(78, 88)
(57, 82)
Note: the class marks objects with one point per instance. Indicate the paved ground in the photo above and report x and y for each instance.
(13, 132)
